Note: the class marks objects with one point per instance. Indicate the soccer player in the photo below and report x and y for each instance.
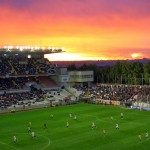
(70, 115)
(140, 137)
(45, 126)
(121, 115)
(117, 126)
(29, 130)
(14, 139)
(104, 131)
(52, 115)
(29, 123)
(146, 135)
(93, 125)
(33, 134)
(75, 117)
(67, 125)
(111, 118)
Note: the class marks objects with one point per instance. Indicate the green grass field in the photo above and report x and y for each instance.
(79, 135)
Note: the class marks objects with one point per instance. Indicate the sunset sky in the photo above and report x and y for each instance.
(87, 29)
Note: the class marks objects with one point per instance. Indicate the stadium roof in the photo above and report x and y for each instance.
(29, 50)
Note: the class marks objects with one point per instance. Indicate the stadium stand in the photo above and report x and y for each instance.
(123, 93)
(26, 66)
(26, 81)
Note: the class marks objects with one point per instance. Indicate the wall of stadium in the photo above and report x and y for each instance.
(81, 76)
(71, 78)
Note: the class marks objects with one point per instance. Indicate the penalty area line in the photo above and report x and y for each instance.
(46, 145)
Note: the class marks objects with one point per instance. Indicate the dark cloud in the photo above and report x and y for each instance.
(17, 4)
(132, 8)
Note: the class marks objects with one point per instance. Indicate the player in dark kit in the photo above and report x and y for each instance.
(29, 130)
(121, 115)
(45, 126)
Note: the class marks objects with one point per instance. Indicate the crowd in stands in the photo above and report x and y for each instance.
(19, 73)
(25, 66)
(9, 99)
(12, 83)
(5, 68)
(123, 93)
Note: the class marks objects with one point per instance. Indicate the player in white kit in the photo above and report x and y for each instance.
(33, 134)
(14, 139)
(117, 126)
(93, 125)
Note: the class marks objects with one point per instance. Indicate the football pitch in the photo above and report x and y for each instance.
(79, 135)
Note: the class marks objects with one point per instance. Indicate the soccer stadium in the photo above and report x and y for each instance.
(47, 107)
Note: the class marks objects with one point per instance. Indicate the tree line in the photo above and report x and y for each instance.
(123, 72)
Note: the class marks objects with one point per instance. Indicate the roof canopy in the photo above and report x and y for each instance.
(28, 50)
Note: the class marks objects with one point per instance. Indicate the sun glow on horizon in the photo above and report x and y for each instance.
(137, 55)
(67, 56)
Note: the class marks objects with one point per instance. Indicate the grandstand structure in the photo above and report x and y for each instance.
(133, 96)
(26, 77)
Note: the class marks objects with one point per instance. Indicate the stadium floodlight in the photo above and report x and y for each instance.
(17, 47)
(29, 56)
(32, 49)
(21, 48)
